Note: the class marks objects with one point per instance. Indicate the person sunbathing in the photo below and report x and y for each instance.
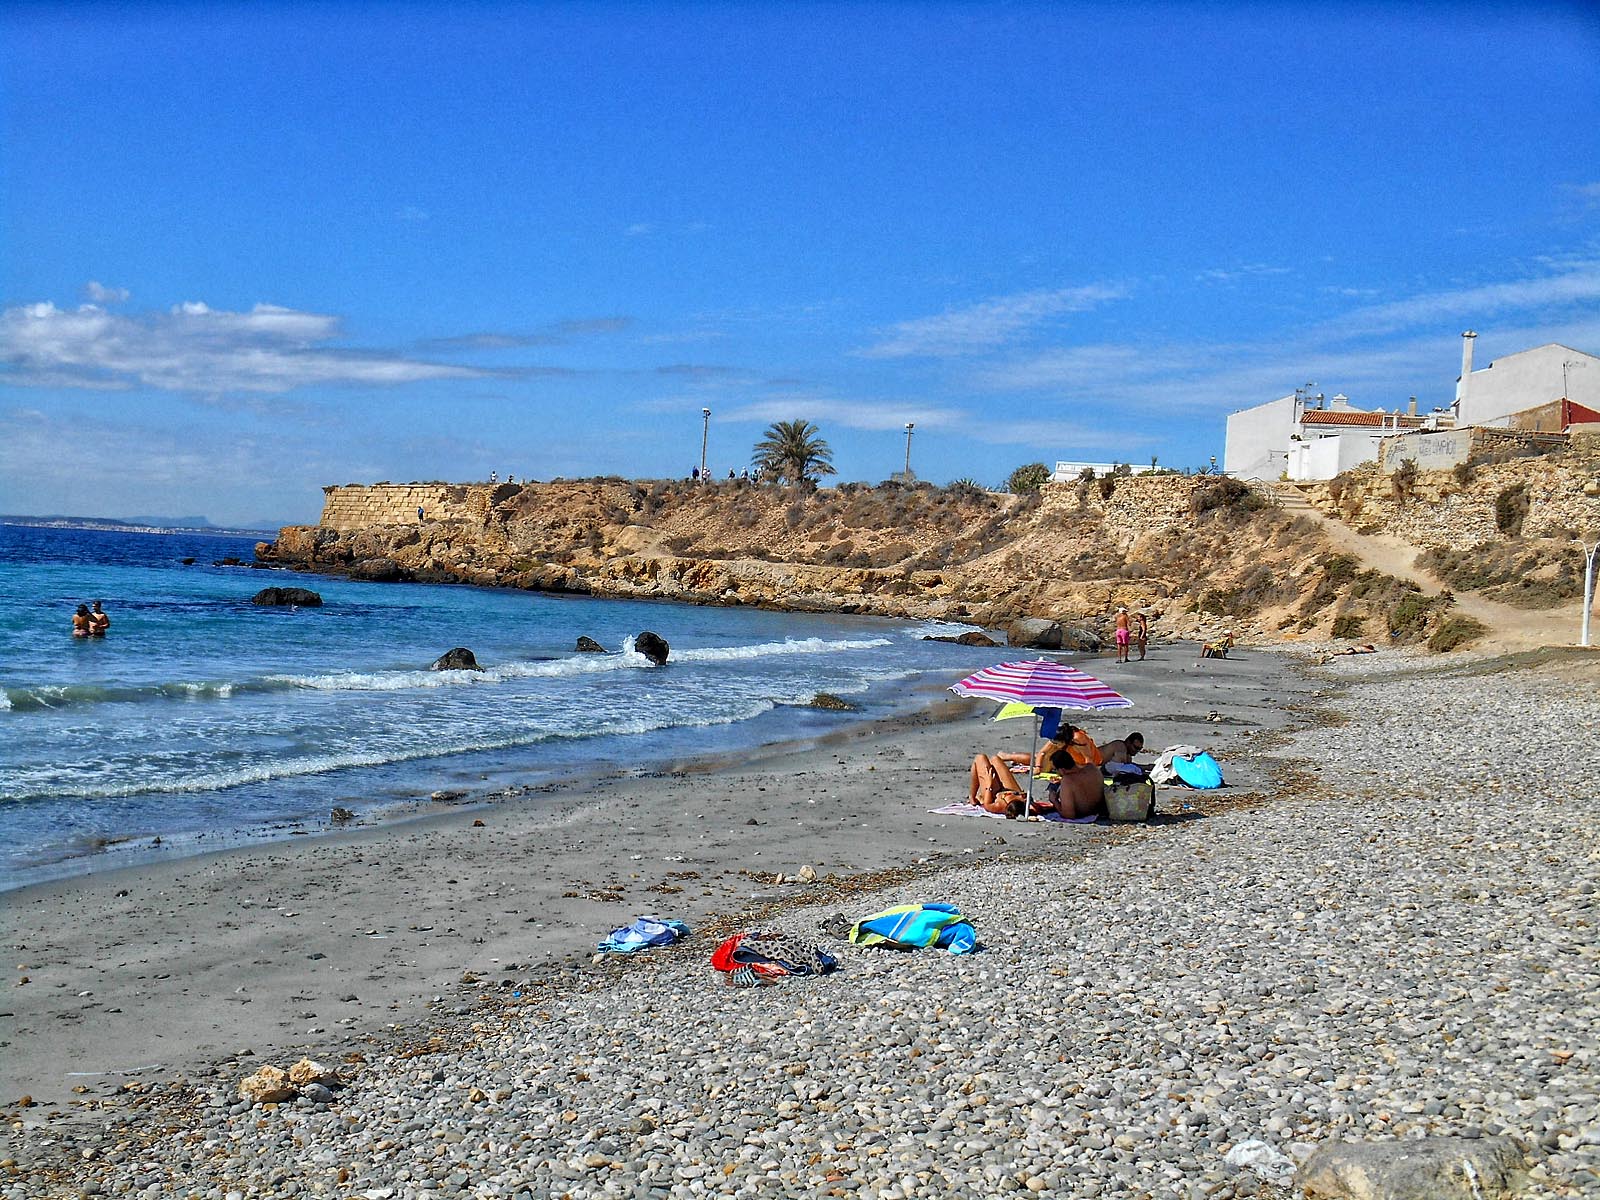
(993, 787)
(1218, 648)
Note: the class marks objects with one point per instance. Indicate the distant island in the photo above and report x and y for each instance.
(136, 524)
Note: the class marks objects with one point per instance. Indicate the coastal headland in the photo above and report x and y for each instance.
(1452, 557)
(1378, 934)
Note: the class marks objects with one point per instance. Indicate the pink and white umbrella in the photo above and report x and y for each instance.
(1041, 683)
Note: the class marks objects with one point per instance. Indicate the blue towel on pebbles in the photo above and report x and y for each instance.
(642, 934)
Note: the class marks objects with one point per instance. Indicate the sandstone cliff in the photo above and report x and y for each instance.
(1201, 551)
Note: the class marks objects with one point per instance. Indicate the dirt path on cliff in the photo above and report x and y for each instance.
(1510, 628)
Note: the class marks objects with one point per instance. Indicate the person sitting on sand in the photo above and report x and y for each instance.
(82, 622)
(99, 621)
(1076, 789)
(1122, 750)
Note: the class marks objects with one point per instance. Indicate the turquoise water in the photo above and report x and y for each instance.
(204, 720)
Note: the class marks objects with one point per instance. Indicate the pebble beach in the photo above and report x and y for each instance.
(1388, 933)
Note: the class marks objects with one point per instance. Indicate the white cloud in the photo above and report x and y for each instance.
(1234, 274)
(989, 324)
(639, 229)
(99, 293)
(195, 348)
(1572, 283)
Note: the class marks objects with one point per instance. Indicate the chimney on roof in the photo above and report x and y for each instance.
(1466, 363)
(1411, 407)
(1341, 403)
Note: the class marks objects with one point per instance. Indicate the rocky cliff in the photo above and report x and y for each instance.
(1202, 551)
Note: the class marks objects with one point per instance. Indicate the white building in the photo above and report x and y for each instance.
(1299, 438)
(1067, 472)
(1527, 379)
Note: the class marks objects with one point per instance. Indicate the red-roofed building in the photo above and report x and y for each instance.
(1308, 438)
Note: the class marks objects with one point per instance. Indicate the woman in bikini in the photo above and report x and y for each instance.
(82, 622)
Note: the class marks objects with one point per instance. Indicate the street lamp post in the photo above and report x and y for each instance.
(705, 435)
(1588, 588)
(910, 425)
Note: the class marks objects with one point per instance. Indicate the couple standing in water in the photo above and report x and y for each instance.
(86, 623)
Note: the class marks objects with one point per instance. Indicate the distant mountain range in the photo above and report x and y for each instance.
(136, 524)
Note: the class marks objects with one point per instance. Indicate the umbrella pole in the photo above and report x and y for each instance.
(1033, 756)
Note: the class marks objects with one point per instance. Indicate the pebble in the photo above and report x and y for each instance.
(1399, 943)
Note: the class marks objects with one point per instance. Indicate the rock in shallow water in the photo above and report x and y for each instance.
(459, 659)
(285, 596)
(653, 646)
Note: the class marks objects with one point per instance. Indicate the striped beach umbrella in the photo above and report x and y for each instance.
(1040, 683)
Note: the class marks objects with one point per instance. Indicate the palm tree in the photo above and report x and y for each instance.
(791, 452)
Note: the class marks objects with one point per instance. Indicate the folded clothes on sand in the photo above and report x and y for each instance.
(765, 956)
(644, 933)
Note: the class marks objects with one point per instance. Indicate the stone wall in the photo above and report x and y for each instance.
(360, 506)
(1563, 495)
(1139, 504)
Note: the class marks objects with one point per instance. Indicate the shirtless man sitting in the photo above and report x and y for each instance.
(1123, 750)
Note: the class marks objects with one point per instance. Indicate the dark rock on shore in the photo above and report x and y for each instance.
(653, 646)
(972, 638)
(286, 596)
(834, 703)
(1036, 633)
(377, 570)
(230, 561)
(587, 645)
(459, 659)
(1077, 637)
(188, 562)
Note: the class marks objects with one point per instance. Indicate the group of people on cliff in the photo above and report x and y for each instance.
(87, 622)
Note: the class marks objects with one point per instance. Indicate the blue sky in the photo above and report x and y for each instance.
(249, 250)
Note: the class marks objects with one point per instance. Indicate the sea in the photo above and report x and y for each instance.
(202, 721)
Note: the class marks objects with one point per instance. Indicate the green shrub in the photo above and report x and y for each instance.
(1226, 495)
(1404, 480)
(1027, 478)
(1511, 509)
(1455, 632)
(1349, 626)
(1410, 615)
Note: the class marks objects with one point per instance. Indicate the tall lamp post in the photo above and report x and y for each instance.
(705, 435)
(1588, 588)
(910, 425)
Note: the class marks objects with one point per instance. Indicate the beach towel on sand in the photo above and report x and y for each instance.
(642, 934)
(1163, 773)
(1198, 771)
(918, 926)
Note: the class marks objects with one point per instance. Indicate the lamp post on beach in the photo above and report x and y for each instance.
(705, 436)
(1588, 587)
(910, 425)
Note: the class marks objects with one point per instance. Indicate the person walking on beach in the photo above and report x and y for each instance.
(1141, 632)
(419, 514)
(1122, 635)
(99, 622)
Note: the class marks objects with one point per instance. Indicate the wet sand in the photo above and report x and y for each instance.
(317, 945)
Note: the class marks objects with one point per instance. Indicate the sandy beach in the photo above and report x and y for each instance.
(1324, 964)
(153, 972)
